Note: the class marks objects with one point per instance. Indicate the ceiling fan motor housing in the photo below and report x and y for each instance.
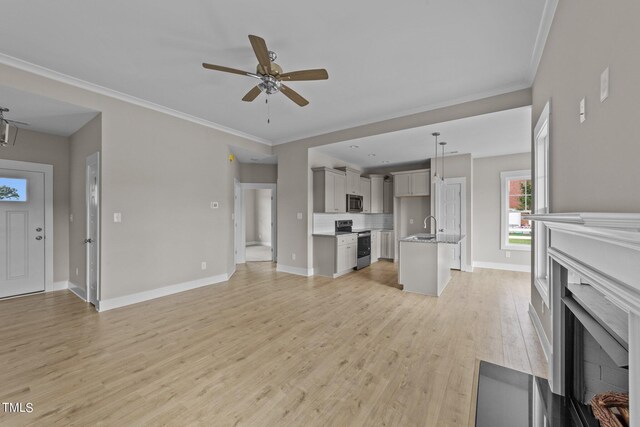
(270, 85)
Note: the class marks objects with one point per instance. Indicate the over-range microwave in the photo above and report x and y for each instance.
(354, 203)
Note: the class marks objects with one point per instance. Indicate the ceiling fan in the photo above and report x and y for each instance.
(4, 128)
(270, 74)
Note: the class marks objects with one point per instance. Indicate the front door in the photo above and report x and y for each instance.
(22, 232)
(453, 220)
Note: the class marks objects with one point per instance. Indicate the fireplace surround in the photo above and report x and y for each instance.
(594, 285)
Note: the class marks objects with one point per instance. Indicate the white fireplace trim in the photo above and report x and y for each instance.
(604, 248)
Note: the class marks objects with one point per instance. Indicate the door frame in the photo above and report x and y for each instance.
(241, 235)
(92, 159)
(47, 170)
(463, 219)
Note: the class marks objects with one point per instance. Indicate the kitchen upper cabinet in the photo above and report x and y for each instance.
(340, 193)
(420, 183)
(377, 193)
(365, 191)
(402, 185)
(411, 183)
(353, 180)
(387, 203)
(329, 193)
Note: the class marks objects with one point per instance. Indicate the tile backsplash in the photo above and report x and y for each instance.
(323, 223)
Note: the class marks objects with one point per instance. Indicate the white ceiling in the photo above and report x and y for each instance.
(44, 114)
(384, 59)
(505, 132)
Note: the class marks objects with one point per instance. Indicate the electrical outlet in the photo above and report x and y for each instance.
(507, 254)
(583, 110)
(293, 256)
(299, 215)
(203, 265)
(70, 217)
(117, 217)
(410, 220)
(77, 272)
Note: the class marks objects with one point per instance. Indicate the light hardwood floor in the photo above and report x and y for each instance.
(265, 349)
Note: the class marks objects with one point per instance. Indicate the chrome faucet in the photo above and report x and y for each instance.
(435, 222)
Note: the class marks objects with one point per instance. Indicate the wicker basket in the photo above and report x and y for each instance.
(611, 409)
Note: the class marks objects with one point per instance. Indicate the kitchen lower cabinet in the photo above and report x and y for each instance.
(387, 244)
(334, 256)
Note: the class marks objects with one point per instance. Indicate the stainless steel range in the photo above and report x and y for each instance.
(364, 241)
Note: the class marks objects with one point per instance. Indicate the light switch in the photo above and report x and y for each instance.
(215, 205)
(410, 220)
(117, 217)
(299, 215)
(583, 110)
(604, 85)
(70, 217)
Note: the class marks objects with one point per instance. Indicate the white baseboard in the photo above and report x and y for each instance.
(502, 266)
(110, 304)
(306, 272)
(61, 285)
(252, 243)
(467, 268)
(544, 341)
(79, 291)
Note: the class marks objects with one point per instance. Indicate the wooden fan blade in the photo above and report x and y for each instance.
(226, 69)
(262, 53)
(293, 95)
(319, 74)
(252, 94)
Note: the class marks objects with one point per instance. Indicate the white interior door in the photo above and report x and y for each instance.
(22, 233)
(451, 205)
(238, 223)
(93, 221)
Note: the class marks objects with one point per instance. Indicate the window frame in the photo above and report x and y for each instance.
(505, 177)
(541, 234)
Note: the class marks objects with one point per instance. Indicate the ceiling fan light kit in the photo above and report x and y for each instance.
(5, 127)
(270, 74)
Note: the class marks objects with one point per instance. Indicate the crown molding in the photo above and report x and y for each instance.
(541, 39)
(111, 93)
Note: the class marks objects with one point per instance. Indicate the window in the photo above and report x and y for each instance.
(13, 190)
(516, 202)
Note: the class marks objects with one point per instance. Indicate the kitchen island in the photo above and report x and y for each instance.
(425, 262)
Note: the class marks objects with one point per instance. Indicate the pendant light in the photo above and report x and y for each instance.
(442, 144)
(435, 162)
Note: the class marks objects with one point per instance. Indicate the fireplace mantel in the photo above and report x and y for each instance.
(604, 249)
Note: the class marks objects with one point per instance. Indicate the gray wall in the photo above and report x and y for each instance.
(594, 164)
(487, 208)
(162, 173)
(83, 143)
(53, 150)
(416, 209)
(258, 173)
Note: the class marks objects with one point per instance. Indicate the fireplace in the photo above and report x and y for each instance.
(594, 300)
(596, 348)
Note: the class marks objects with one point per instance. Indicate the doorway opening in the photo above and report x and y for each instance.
(256, 224)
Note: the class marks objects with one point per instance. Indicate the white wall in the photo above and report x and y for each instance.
(250, 216)
(487, 209)
(263, 216)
